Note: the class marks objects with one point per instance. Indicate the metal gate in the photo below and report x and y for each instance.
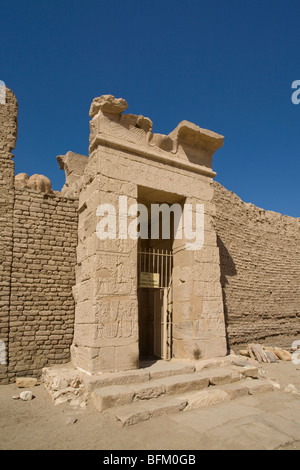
(155, 267)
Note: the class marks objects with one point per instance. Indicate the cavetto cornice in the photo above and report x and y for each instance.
(187, 147)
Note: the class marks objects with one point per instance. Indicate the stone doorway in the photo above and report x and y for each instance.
(155, 303)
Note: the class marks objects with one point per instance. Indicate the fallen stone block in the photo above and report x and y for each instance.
(282, 354)
(26, 382)
(249, 371)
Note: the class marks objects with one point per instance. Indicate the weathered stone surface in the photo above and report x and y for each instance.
(146, 392)
(166, 406)
(108, 104)
(26, 382)
(259, 260)
(26, 395)
(282, 354)
(291, 389)
(249, 371)
(271, 356)
(220, 376)
(8, 124)
(109, 397)
(207, 397)
(166, 369)
(39, 183)
(236, 390)
(21, 180)
(120, 378)
(184, 383)
(129, 416)
(74, 165)
(259, 386)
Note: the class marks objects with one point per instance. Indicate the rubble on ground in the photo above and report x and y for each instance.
(266, 354)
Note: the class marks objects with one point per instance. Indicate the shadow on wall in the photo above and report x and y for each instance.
(228, 268)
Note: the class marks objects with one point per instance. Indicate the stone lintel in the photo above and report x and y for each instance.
(163, 157)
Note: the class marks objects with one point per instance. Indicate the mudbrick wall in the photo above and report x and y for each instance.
(8, 135)
(37, 266)
(42, 276)
(260, 271)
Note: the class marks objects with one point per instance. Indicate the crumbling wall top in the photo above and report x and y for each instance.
(187, 145)
(8, 122)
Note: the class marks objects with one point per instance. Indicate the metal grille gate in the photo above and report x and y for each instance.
(155, 267)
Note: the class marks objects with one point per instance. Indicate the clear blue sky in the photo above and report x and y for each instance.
(226, 65)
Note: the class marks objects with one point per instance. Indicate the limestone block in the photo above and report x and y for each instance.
(223, 376)
(148, 391)
(216, 347)
(128, 417)
(109, 397)
(191, 348)
(127, 357)
(93, 360)
(184, 383)
(236, 390)
(86, 334)
(259, 386)
(161, 408)
(206, 398)
(26, 382)
(282, 354)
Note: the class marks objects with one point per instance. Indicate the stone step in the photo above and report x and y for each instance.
(155, 371)
(141, 411)
(116, 395)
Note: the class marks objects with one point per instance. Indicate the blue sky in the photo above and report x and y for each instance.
(226, 65)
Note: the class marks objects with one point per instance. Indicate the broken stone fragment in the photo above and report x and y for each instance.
(26, 382)
(108, 104)
(282, 354)
(26, 395)
(291, 389)
(271, 356)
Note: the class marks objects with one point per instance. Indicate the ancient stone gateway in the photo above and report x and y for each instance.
(77, 282)
(119, 315)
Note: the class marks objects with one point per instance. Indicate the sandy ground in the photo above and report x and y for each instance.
(264, 421)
